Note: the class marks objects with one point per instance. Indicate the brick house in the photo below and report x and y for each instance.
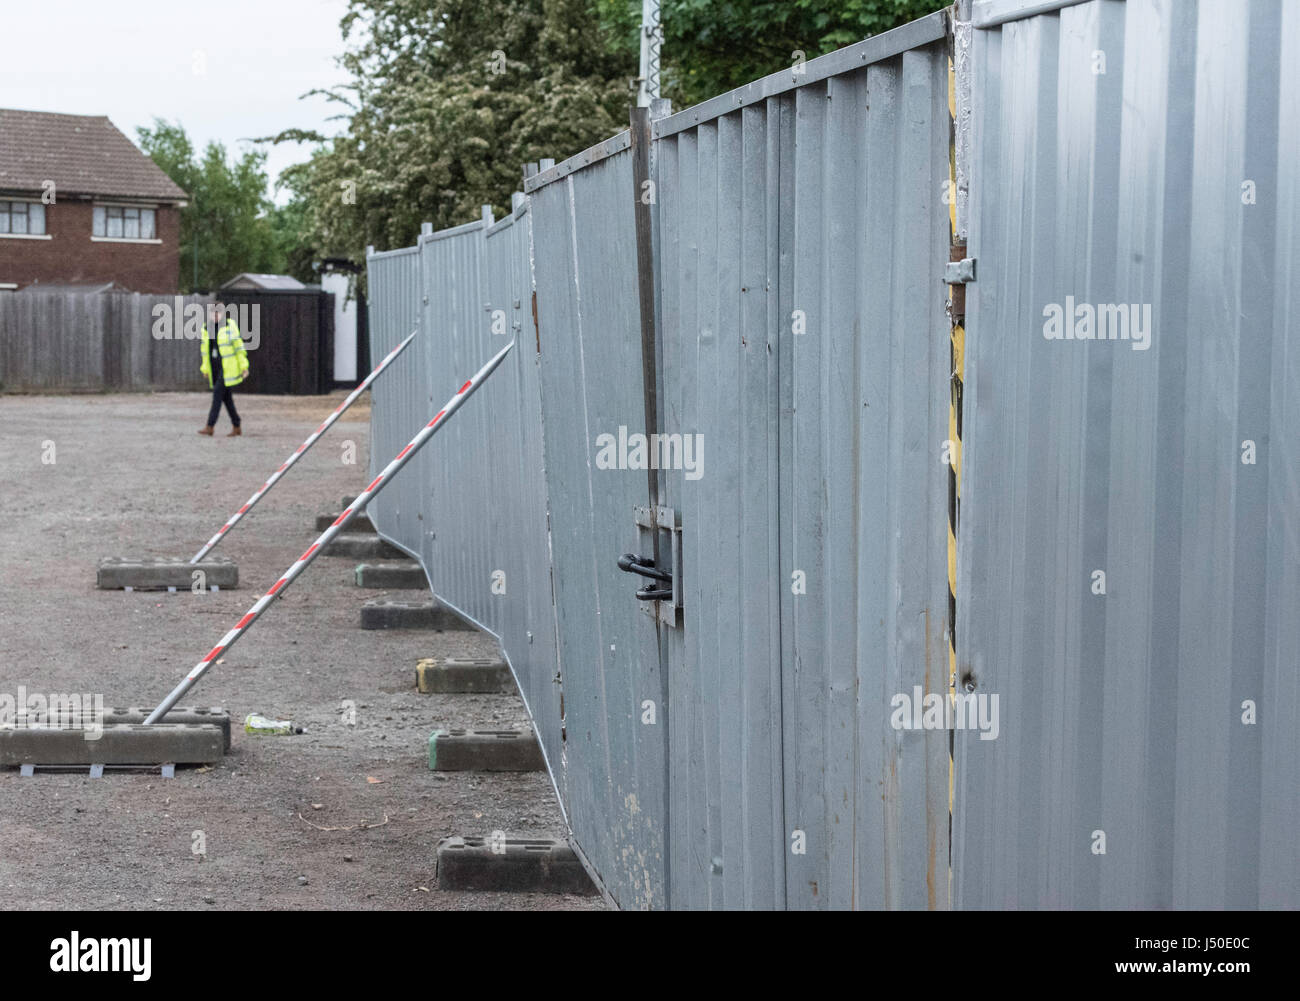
(81, 204)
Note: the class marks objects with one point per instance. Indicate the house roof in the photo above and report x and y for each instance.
(264, 282)
(81, 154)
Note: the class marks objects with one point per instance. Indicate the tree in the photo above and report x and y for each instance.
(448, 100)
(291, 228)
(228, 207)
(712, 46)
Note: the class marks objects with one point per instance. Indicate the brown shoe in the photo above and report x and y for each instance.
(234, 433)
(207, 430)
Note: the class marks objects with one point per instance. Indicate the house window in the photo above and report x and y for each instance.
(22, 218)
(120, 222)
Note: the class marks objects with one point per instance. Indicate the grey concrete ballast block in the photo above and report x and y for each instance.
(119, 744)
(151, 573)
(385, 613)
(213, 716)
(463, 675)
(401, 575)
(360, 523)
(519, 865)
(485, 751)
(360, 546)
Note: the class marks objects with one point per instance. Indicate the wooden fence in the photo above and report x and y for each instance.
(128, 341)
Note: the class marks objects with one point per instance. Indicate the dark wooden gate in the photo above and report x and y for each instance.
(294, 351)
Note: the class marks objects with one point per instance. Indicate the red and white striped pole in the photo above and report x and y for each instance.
(380, 481)
(213, 542)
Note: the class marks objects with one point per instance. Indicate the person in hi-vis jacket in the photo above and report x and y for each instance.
(225, 363)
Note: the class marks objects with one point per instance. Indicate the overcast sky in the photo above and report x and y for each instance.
(134, 60)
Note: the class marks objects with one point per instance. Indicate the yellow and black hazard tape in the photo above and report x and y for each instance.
(957, 347)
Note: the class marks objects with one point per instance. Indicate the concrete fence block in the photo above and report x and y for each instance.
(362, 546)
(519, 865)
(384, 613)
(485, 751)
(359, 525)
(117, 744)
(463, 675)
(399, 575)
(147, 573)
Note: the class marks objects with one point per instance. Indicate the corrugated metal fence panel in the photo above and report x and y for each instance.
(486, 512)
(778, 715)
(472, 505)
(526, 612)
(819, 209)
(398, 397)
(1168, 180)
(584, 254)
(452, 468)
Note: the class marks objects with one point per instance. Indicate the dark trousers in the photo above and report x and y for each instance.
(221, 394)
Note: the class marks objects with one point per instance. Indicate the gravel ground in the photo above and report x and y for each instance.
(131, 477)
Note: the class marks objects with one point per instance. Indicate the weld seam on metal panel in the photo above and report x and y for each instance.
(505, 653)
(913, 35)
(601, 151)
(991, 13)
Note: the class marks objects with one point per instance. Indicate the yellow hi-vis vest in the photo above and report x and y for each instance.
(234, 359)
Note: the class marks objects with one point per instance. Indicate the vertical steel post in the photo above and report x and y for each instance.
(643, 217)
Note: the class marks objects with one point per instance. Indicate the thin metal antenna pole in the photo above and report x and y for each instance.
(652, 36)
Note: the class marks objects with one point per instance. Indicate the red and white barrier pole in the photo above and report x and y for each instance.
(213, 542)
(380, 481)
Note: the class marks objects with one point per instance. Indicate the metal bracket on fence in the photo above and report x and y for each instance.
(661, 603)
(959, 272)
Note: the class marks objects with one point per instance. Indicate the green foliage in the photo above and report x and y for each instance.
(433, 132)
(228, 207)
(289, 224)
(712, 46)
(448, 100)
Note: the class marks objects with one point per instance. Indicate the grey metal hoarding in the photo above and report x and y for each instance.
(748, 750)
(584, 258)
(398, 400)
(740, 753)
(803, 236)
(804, 356)
(1145, 155)
(472, 506)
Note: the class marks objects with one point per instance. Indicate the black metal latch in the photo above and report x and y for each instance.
(661, 596)
(645, 566)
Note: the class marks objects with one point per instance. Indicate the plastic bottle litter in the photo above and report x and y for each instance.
(267, 727)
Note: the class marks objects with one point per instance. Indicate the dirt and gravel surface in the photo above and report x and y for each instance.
(341, 817)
